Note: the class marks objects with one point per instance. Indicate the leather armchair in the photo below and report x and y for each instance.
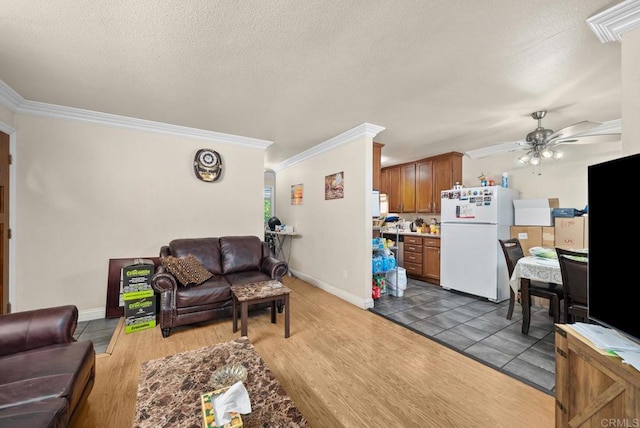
(45, 374)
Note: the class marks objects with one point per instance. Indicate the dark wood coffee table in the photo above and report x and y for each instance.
(259, 292)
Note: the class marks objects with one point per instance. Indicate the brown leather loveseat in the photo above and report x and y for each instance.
(230, 259)
(45, 374)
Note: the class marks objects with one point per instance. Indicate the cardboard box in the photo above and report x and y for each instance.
(572, 233)
(534, 212)
(533, 236)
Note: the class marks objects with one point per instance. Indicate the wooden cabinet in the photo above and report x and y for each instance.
(593, 389)
(431, 259)
(408, 188)
(416, 186)
(424, 187)
(447, 169)
(377, 159)
(413, 255)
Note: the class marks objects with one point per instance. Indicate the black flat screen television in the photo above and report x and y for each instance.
(613, 233)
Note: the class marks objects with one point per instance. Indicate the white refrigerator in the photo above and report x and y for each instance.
(472, 221)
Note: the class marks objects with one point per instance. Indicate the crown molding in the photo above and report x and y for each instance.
(609, 25)
(13, 101)
(366, 130)
(9, 98)
(36, 108)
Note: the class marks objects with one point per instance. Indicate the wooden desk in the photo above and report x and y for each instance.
(593, 389)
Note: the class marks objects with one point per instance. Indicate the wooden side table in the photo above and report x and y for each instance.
(259, 292)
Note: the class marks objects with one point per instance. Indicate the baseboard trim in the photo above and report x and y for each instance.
(91, 314)
(351, 298)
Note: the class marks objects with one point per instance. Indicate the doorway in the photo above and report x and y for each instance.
(5, 232)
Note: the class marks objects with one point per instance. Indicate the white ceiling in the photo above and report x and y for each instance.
(439, 75)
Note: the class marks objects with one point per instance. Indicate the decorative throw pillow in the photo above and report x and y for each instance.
(196, 271)
(187, 270)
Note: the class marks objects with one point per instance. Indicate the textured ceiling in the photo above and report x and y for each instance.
(439, 75)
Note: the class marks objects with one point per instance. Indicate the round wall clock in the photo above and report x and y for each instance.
(207, 165)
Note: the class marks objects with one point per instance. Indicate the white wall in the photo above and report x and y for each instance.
(334, 251)
(87, 193)
(631, 92)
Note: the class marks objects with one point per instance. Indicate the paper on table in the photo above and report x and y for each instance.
(605, 338)
(631, 358)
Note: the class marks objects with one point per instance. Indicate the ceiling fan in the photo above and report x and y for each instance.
(542, 143)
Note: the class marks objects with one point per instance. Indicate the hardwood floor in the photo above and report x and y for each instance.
(342, 366)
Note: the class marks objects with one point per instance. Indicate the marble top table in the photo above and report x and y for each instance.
(259, 292)
(170, 388)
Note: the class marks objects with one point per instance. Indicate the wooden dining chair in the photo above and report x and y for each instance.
(547, 290)
(573, 268)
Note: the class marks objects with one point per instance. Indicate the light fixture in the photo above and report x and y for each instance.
(537, 153)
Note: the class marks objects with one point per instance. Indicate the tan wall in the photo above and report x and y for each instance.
(6, 116)
(334, 251)
(631, 92)
(87, 193)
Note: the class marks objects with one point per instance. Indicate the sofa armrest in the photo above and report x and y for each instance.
(22, 331)
(163, 281)
(273, 267)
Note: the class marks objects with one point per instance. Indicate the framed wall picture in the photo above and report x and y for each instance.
(334, 186)
(297, 191)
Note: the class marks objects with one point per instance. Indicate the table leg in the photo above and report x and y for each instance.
(287, 307)
(273, 311)
(526, 304)
(234, 310)
(244, 315)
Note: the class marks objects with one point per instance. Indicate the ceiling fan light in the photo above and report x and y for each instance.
(535, 160)
(524, 159)
(546, 153)
(558, 155)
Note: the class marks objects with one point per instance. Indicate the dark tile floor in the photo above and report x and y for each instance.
(479, 329)
(98, 331)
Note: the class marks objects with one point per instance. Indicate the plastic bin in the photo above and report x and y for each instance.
(402, 279)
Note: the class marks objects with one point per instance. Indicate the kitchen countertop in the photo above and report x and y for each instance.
(409, 233)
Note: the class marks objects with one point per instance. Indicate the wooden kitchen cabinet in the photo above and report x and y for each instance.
(415, 187)
(447, 169)
(408, 188)
(377, 159)
(431, 260)
(424, 187)
(413, 255)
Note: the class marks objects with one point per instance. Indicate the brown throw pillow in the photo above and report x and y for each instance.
(187, 270)
(196, 271)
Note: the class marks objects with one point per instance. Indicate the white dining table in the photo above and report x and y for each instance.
(533, 268)
(537, 269)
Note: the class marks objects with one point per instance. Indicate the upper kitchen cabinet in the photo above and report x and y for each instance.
(416, 186)
(377, 158)
(447, 170)
(399, 183)
(424, 186)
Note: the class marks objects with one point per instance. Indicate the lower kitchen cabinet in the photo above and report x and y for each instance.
(422, 258)
(431, 259)
(413, 255)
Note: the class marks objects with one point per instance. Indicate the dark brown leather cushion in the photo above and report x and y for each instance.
(60, 370)
(207, 250)
(240, 253)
